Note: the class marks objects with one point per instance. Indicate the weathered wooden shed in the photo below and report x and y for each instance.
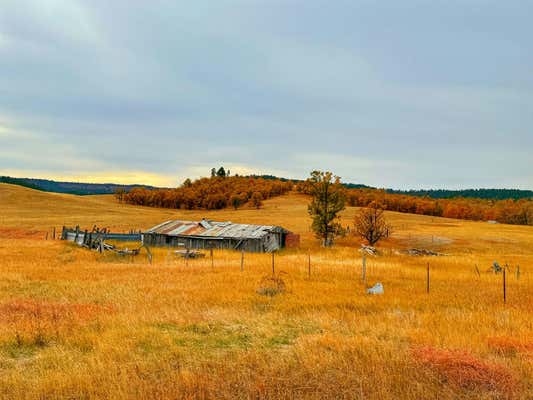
(207, 234)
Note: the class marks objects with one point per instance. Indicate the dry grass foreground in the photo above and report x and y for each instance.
(77, 324)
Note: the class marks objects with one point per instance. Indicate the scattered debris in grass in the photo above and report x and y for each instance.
(368, 250)
(422, 252)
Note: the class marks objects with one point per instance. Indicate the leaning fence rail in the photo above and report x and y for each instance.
(80, 237)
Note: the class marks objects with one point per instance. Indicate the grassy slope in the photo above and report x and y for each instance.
(28, 209)
(75, 323)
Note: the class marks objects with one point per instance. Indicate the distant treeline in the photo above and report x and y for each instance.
(489, 194)
(509, 211)
(69, 187)
(109, 188)
(19, 181)
(212, 193)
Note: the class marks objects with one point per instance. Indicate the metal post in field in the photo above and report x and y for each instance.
(242, 260)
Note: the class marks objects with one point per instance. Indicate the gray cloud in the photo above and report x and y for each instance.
(418, 94)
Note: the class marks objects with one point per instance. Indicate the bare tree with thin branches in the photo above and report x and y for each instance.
(371, 224)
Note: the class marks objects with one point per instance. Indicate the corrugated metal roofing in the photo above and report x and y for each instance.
(206, 229)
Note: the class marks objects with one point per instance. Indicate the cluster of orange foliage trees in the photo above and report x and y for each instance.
(219, 192)
(518, 212)
(212, 193)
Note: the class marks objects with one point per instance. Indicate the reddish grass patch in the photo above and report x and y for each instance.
(461, 368)
(510, 346)
(15, 233)
(27, 310)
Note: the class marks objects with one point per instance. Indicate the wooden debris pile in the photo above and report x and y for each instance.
(368, 250)
(422, 252)
(189, 253)
(96, 240)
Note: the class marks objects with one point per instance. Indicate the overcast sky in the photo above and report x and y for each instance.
(402, 94)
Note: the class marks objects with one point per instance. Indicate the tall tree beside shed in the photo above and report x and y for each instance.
(328, 198)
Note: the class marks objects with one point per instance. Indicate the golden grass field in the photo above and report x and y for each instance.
(78, 324)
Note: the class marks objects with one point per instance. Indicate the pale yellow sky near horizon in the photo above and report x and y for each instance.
(136, 177)
(133, 177)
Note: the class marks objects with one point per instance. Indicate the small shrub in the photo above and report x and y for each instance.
(461, 368)
(272, 285)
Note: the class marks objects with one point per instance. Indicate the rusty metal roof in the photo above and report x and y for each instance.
(213, 229)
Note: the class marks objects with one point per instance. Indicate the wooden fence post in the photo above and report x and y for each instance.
(477, 270)
(212, 259)
(148, 253)
(242, 260)
(54, 233)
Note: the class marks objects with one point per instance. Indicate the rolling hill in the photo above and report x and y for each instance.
(24, 208)
(75, 323)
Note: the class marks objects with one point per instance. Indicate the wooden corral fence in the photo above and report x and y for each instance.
(95, 240)
(85, 237)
